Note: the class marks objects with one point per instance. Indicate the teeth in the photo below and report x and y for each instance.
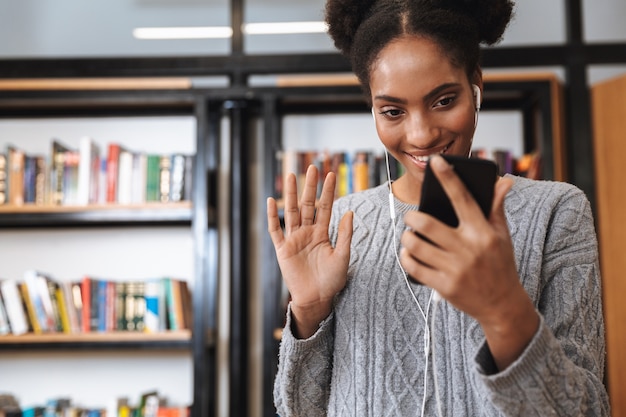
(425, 158)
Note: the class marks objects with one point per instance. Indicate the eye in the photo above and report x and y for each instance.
(392, 113)
(445, 101)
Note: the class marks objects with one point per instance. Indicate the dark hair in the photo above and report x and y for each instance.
(362, 28)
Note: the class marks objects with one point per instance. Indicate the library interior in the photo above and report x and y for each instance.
(140, 140)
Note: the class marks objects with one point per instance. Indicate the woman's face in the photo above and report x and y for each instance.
(423, 105)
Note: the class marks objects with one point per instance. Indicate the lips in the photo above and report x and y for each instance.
(423, 159)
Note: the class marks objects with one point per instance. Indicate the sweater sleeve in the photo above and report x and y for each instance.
(561, 371)
(302, 385)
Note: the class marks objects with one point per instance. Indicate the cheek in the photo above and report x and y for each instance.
(389, 137)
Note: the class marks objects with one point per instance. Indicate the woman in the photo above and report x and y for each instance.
(519, 330)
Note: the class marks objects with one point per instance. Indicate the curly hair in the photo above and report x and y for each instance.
(360, 29)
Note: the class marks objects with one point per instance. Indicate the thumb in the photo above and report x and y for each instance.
(344, 235)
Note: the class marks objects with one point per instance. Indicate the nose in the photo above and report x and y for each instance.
(420, 131)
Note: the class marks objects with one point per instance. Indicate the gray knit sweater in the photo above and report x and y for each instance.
(367, 358)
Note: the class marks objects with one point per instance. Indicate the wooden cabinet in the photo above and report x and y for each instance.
(608, 100)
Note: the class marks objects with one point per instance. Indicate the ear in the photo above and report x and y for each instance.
(477, 86)
(477, 96)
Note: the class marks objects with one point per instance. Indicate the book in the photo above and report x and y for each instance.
(41, 175)
(14, 305)
(139, 178)
(3, 178)
(102, 181)
(120, 306)
(77, 300)
(152, 177)
(154, 309)
(57, 171)
(187, 305)
(30, 166)
(165, 165)
(64, 305)
(174, 304)
(9, 406)
(88, 171)
(171, 411)
(5, 328)
(15, 171)
(53, 290)
(85, 291)
(31, 311)
(67, 307)
(70, 177)
(135, 306)
(360, 171)
(112, 167)
(177, 177)
(110, 311)
(98, 305)
(125, 177)
(140, 306)
(39, 296)
(188, 178)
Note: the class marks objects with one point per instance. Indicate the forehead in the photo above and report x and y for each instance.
(415, 61)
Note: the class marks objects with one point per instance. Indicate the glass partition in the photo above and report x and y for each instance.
(101, 28)
(604, 20)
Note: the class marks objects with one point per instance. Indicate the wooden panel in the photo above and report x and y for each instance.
(609, 120)
(96, 84)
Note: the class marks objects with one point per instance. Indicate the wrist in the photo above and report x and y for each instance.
(305, 320)
(510, 330)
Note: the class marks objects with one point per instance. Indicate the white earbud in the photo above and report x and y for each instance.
(477, 96)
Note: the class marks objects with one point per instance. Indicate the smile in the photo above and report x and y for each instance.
(425, 158)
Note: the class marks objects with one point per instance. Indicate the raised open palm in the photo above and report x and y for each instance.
(313, 270)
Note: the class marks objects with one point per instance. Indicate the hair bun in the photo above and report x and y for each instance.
(343, 18)
(491, 16)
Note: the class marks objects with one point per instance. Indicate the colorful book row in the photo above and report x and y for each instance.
(361, 170)
(87, 175)
(150, 405)
(41, 304)
(355, 171)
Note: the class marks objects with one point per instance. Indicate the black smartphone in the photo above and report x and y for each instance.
(478, 175)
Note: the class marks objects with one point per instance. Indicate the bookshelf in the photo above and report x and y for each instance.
(190, 224)
(537, 96)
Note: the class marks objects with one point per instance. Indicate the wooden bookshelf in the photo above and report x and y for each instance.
(82, 84)
(101, 214)
(32, 208)
(91, 337)
(125, 98)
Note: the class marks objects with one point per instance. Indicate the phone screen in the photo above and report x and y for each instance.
(478, 175)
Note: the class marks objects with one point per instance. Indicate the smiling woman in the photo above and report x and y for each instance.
(358, 338)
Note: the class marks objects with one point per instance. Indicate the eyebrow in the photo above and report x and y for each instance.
(432, 94)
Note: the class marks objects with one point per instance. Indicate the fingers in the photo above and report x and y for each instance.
(503, 185)
(344, 235)
(307, 202)
(273, 223)
(305, 213)
(327, 197)
(292, 213)
(464, 204)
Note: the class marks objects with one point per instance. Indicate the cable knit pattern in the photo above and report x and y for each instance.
(367, 358)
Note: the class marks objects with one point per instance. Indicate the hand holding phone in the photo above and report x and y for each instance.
(479, 177)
